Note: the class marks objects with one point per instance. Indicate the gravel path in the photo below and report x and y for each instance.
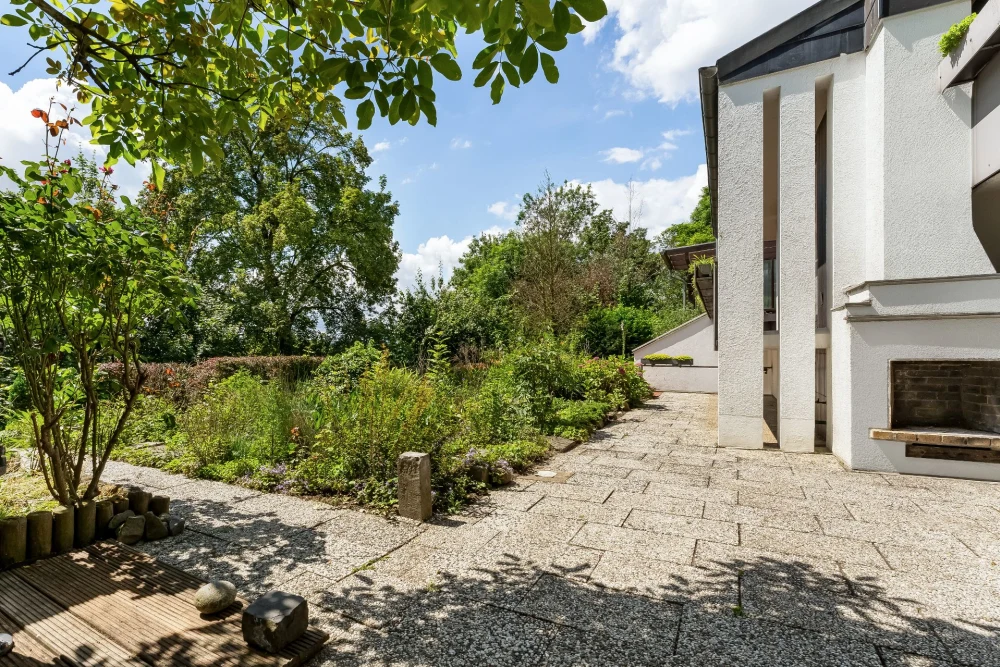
(659, 549)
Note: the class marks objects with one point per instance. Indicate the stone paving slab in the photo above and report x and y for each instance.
(653, 547)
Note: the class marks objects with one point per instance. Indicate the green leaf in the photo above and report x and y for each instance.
(356, 93)
(485, 56)
(447, 66)
(12, 20)
(429, 110)
(158, 174)
(505, 14)
(352, 24)
(560, 18)
(552, 41)
(496, 90)
(408, 106)
(538, 11)
(197, 160)
(366, 112)
(591, 10)
(529, 63)
(550, 69)
(424, 74)
(511, 73)
(484, 76)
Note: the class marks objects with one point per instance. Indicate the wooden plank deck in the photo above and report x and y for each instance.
(111, 606)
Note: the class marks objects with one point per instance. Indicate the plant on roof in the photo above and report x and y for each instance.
(953, 38)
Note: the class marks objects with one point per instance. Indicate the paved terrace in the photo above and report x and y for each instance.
(660, 549)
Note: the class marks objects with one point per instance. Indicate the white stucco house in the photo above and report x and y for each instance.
(856, 199)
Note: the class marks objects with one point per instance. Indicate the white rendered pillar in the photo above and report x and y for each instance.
(797, 268)
(740, 271)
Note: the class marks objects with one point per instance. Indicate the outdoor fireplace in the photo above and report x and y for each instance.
(946, 394)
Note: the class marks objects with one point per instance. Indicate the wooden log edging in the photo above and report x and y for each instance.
(43, 534)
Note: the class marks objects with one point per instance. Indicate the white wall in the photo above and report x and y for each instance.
(683, 379)
(797, 264)
(695, 339)
(740, 272)
(927, 206)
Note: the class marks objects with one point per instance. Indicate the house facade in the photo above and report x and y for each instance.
(856, 201)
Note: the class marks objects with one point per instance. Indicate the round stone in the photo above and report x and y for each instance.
(214, 596)
(6, 644)
(546, 473)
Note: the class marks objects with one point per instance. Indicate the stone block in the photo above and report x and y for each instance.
(560, 444)
(39, 535)
(63, 524)
(159, 505)
(138, 501)
(13, 541)
(275, 620)
(120, 505)
(414, 473)
(118, 519)
(3, 460)
(85, 524)
(155, 529)
(132, 530)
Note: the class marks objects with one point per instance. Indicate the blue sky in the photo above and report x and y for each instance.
(624, 108)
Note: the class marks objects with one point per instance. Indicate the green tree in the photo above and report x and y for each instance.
(284, 235)
(698, 229)
(168, 78)
(549, 287)
(79, 277)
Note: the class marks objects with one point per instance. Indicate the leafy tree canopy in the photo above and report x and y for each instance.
(168, 78)
(283, 235)
(696, 230)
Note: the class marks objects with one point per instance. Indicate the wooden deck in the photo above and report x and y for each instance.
(110, 606)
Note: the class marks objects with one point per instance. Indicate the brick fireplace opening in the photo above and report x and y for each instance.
(946, 394)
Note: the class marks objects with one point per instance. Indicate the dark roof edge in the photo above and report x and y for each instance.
(778, 35)
(708, 86)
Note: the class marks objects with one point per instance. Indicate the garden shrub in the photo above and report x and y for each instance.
(343, 371)
(684, 359)
(603, 329)
(617, 382)
(241, 424)
(953, 38)
(391, 411)
(576, 420)
(499, 410)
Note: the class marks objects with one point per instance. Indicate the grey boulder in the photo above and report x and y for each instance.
(175, 525)
(6, 644)
(132, 530)
(214, 596)
(119, 519)
(155, 529)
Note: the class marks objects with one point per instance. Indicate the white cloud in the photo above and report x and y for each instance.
(22, 137)
(664, 202)
(504, 210)
(381, 146)
(620, 155)
(660, 44)
(438, 255)
(460, 144)
(613, 113)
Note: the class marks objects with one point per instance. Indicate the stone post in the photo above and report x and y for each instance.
(85, 529)
(414, 472)
(3, 460)
(62, 529)
(120, 505)
(13, 541)
(159, 505)
(39, 535)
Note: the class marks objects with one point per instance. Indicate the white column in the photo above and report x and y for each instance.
(797, 268)
(740, 273)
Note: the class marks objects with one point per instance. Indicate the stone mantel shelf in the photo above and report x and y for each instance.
(943, 436)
